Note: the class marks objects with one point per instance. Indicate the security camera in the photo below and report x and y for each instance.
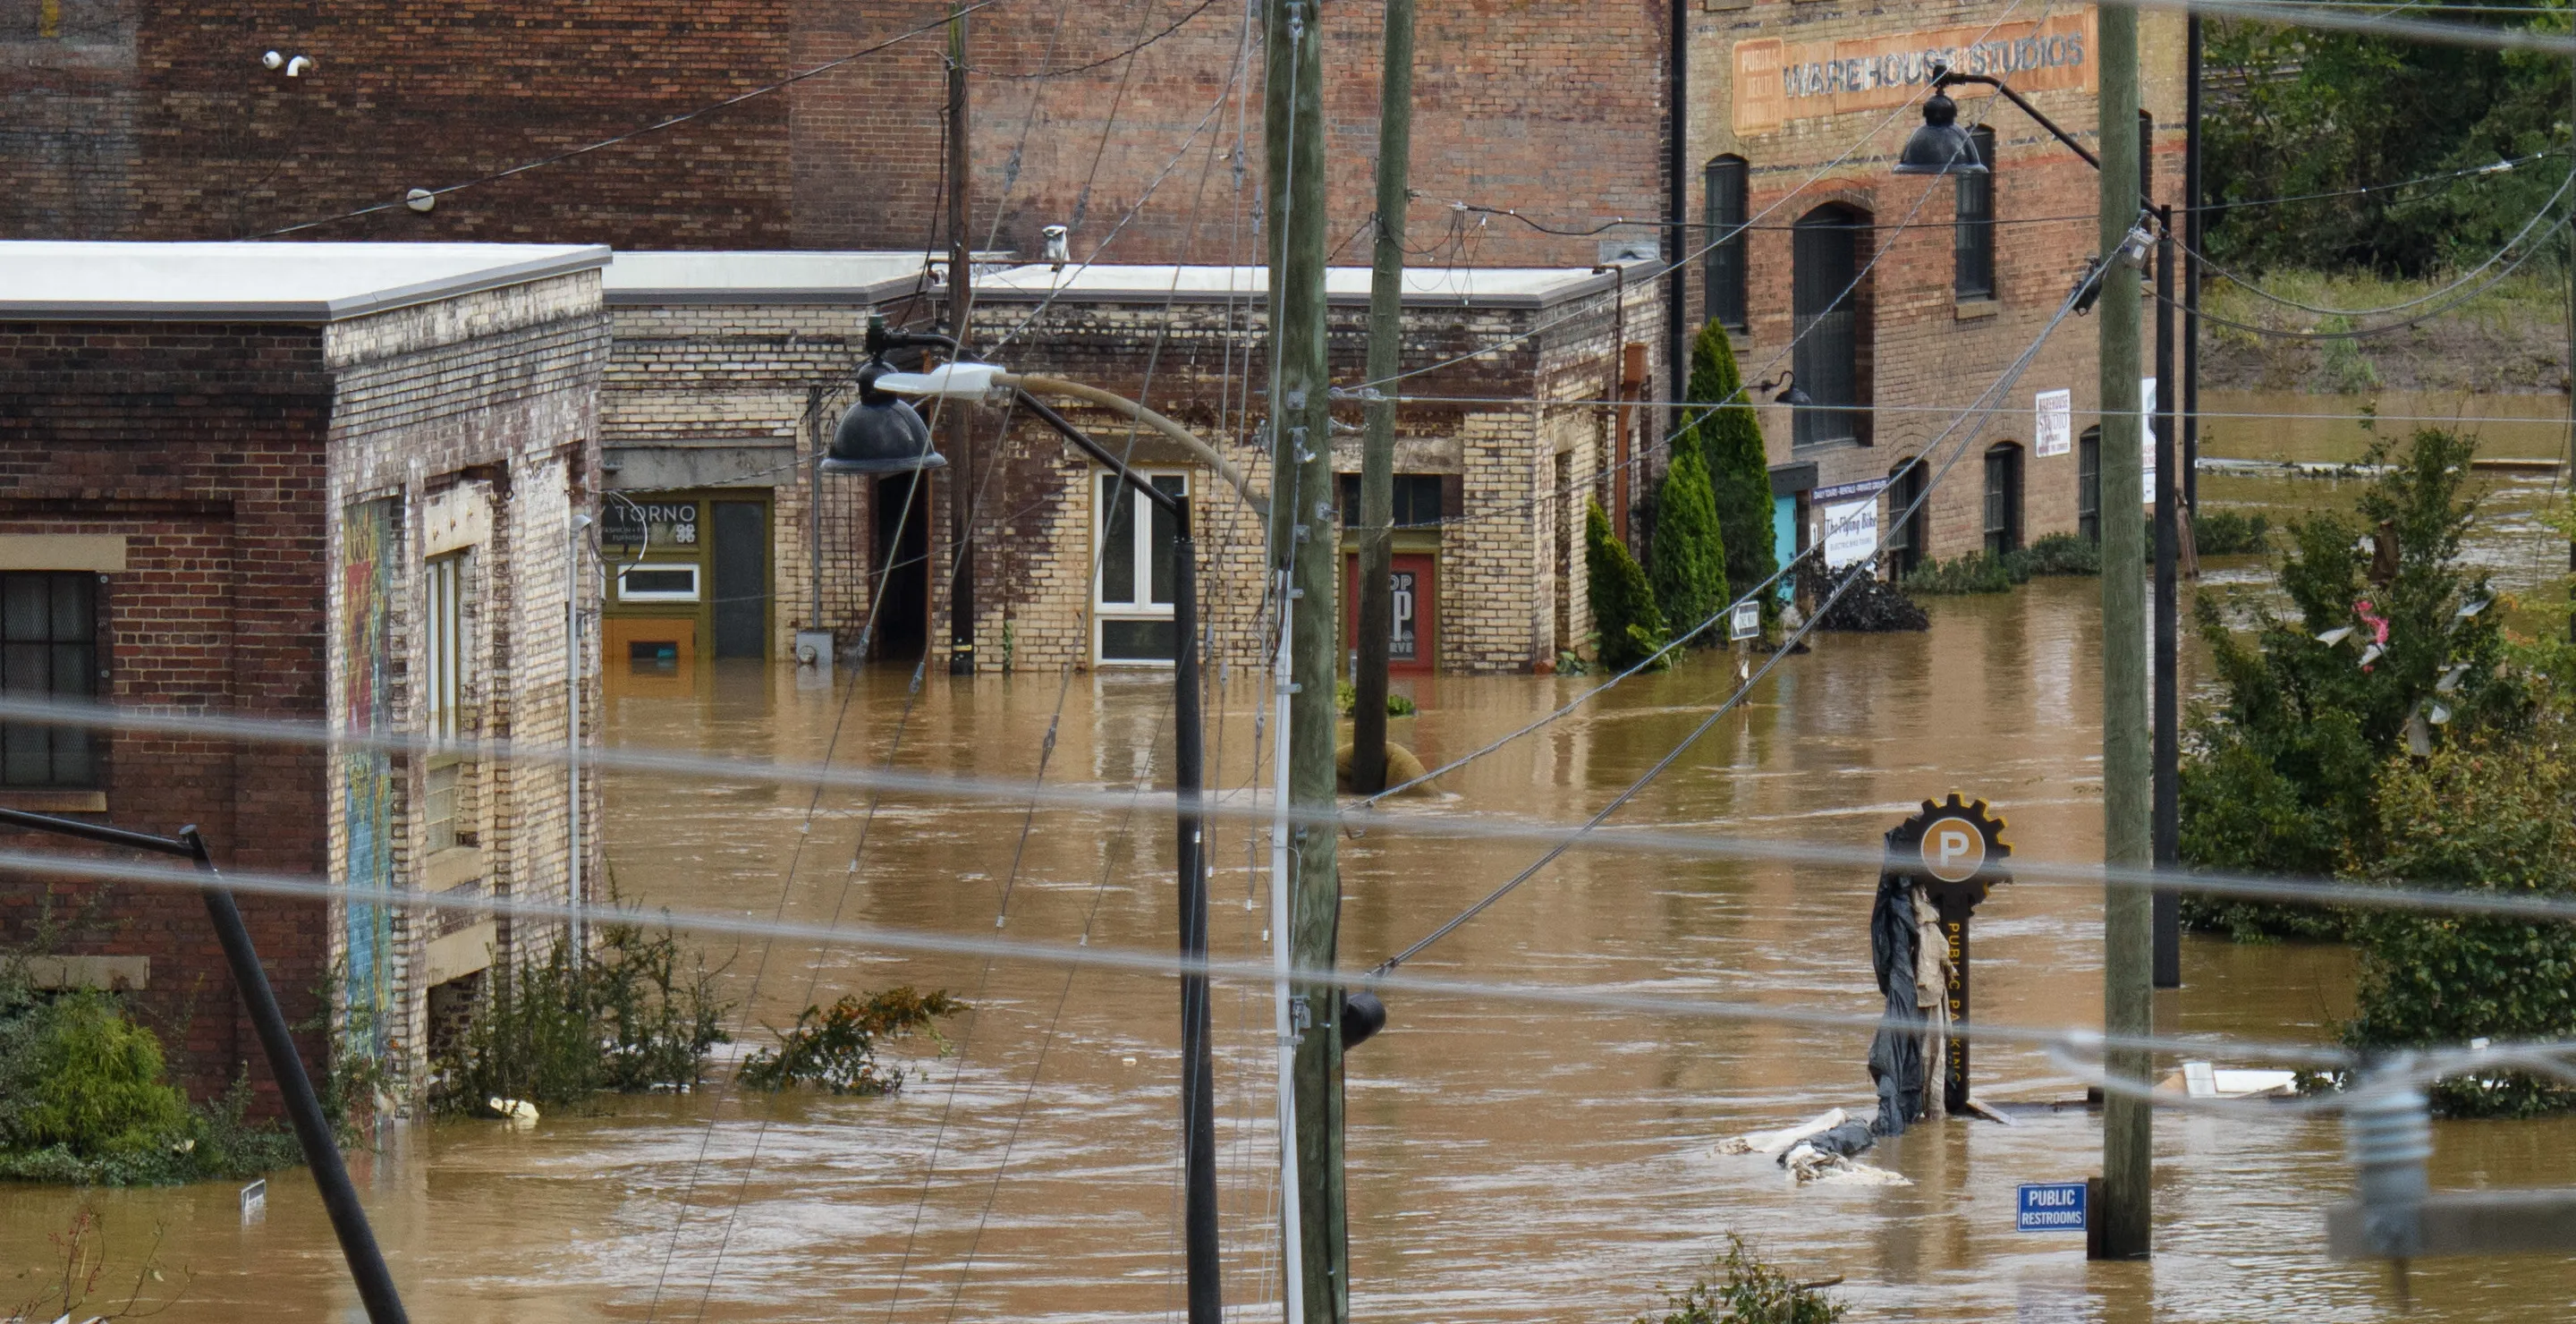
(272, 60)
(1058, 250)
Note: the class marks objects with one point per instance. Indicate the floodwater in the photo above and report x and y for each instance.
(1507, 1161)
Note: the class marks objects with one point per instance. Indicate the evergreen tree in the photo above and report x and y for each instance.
(1623, 606)
(1739, 472)
(1687, 562)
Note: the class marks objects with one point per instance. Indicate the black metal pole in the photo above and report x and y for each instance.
(2168, 737)
(1189, 777)
(1198, 1071)
(303, 1108)
(2191, 241)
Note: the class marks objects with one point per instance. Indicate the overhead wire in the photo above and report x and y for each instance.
(632, 134)
(2255, 288)
(2357, 333)
(2002, 384)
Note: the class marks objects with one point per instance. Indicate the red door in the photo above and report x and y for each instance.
(1413, 644)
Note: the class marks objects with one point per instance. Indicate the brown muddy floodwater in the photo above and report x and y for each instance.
(1508, 1162)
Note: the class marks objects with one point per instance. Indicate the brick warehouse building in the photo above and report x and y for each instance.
(321, 483)
(1563, 113)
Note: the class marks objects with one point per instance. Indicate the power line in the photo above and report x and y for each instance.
(655, 127)
(2384, 328)
(2249, 286)
(2002, 384)
(2422, 31)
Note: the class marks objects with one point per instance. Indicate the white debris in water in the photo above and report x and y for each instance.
(1773, 1142)
(1810, 1165)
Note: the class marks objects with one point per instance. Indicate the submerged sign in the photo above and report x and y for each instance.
(1778, 81)
(2056, 1206)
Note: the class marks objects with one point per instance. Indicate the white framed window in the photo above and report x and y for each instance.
(1131, 597)
(658, 581)
(443, 631)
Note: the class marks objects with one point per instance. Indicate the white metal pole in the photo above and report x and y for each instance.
(1291, 1224)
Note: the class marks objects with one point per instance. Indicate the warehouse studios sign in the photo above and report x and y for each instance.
(1777, 81)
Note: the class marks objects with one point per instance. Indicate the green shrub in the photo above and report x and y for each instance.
(1729, 440)
(630, 1019)
(1976, 573)
(84, 1101)
(1753, 1293)
(1631, 627)
(89, 1080)
(2058, 554)
(1346, 698)
(2495, 816)
(1687, 560)
(836, 1047)
(2229, 533)
(2278, 776)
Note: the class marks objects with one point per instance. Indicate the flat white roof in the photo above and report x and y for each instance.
(1490, 287)
(775, 276)
(220, 282)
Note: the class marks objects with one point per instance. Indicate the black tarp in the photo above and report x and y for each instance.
(1896, 1051)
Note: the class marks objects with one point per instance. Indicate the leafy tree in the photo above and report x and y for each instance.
(2279, 775)
(1623, 604)
(1688, 558)
(2315, 113)
(836, 1046)
(2496, 815)
(89, 1080)
(1729, 440)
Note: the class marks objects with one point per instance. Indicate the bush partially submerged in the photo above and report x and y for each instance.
(2229, 533)
(1753, 1293)
(1868, 606)
(85, 1100)
(1985, 572)
(835, 1047)
(637, 1016)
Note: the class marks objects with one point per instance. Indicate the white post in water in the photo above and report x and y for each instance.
(1291, 1223)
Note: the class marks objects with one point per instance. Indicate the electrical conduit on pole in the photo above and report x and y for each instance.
(1292, 1225)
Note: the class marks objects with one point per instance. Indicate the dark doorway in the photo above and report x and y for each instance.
(1905, 514)
(2003, 498)
(741, 588)
(899, 568)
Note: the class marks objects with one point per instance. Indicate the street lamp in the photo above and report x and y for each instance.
(881, 434)
(986, 381)
(1941, 147)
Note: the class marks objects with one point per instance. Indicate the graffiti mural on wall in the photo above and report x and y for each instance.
(367, 561)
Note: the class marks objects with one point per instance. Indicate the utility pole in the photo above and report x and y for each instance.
(1385, 359)
(961, 294)
(1301, 541)
(2128, 1151)
(2168, 677)
(2191, 229)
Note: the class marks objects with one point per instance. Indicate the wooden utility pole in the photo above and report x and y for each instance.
(1377, 448)
(2128, 1122)
(1302, 545)
(961, 294)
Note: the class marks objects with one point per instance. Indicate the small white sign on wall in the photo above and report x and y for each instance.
(2053, 430)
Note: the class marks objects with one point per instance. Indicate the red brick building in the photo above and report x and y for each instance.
(319, 483)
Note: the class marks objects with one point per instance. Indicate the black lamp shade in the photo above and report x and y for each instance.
(881, 434)
(1940, 147)
(1363, 1015)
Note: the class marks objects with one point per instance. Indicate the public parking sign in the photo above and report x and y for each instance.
(2056, 1206)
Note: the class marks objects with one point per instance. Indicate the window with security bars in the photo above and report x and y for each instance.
(1724, 267)
(2003, 499)
(1905, 545)
(443, 631)
(1825, 300)
(48, 650)
(1132, 597)
(2088, 485)
(1973, 237)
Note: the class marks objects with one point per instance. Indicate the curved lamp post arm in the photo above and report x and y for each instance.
(1952, 77)
(1121, 405)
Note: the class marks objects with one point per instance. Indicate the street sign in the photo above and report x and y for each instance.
(1961, 851)
(2056, 1206)
(1746, 621)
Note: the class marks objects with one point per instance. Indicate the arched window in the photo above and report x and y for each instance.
(1832, 358)
(1724, 268)
(1972, 246)
(1905, 540)
(2088, 485)
(2003, 498)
